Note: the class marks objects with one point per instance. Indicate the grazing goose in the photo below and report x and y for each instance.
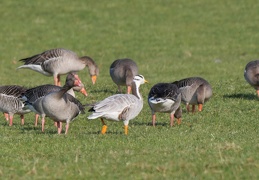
(251, 74)
(122, 72)
(10, 102)
(120, 107)
(56, 62)
(165, 98)
(33, 97)
(61, 106)
(194, 91)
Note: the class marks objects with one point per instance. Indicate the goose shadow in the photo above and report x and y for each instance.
(242, 96)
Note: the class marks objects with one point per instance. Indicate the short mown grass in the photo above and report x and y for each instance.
(169, 40)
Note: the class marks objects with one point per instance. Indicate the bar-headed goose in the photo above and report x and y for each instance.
(56, 62)
(165, 98)
(194, 91)
(251, 74)
(120, 107)
(122, 72)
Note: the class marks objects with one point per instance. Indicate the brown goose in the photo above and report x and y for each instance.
(33, 97)
(61, 106)
(251, 74)
(165, 98)
(120, 107)
(10, 102)
(122, 72)
(56, 62)
(194, 91)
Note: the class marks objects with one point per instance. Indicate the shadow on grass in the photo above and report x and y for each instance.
(149, 123)
(242, 96)
(106, 91)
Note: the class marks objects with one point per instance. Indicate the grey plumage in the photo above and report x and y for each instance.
(122, 72)
(120, 107)
(11, 103)
(251, 74)
(194, 91)
(165, 98)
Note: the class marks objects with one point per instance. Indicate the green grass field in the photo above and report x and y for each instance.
(169, 40)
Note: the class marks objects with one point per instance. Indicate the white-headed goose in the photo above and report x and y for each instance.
(165, 98)
(120, 107)
(122, 72)
(56, 62)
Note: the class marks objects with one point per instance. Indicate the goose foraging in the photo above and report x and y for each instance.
(122, 72)
(34, 96)
(56, 62)
(251, 74)
(194, 91)
(61, 106)
(120, 107)
(10, 102)
(165, 98)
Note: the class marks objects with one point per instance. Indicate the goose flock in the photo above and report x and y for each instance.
(60, 104)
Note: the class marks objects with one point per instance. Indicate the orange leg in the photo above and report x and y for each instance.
(59, 127)
(36, 120)
(104, 128)
(42, 124)
(179, 121)
(57, 80)
(257, 91)
(11, 120)
(67, 127)
(6, 115)
(126, 129)
(200, 107)
(154, 120)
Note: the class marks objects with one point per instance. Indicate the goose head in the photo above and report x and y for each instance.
(139, 79)
(73, 80)
(92, 67)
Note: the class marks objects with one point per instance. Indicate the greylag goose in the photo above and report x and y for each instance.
(165, 98)
(120, 107)
(56, 62)
(33, 97)
(194, 91)
(122, 72)
(251, 74)
(61, 106)
(10, 102)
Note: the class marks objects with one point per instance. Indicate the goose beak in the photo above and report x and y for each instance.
(83, 91)
(94, 77)
(146, 81)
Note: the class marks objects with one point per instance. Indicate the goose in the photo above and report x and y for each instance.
(251, 74)
(120, 107)
(194, 91)
(56, 62)
(165, 98)
(33, 97)
(10, 102)
(122, 72)
(61, 106)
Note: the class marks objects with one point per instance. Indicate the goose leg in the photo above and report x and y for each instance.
(6, 115)
(128, 89)
(188, 107)
(57, 80)
(257, 91)
(22, 119)
(104, 128)
(171, 120)
(200, 107)
(36, 120)
(67, 127)
(42, 123)
(11, 120)
(193, 108)
(154, 119)
(59, 127)
(179, 121)
(126, 129)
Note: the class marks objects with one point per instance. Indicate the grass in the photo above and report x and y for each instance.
(169, 40)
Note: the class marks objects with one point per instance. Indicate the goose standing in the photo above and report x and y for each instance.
(251, 74)
(61, 106)
(56, 62)
(120, 107)
(165, 98)
(34, 96)
(10, 102)
(194, 91)
(122, 72)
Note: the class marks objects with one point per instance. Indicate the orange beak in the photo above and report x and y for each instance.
(94, 77)
(83, 91)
